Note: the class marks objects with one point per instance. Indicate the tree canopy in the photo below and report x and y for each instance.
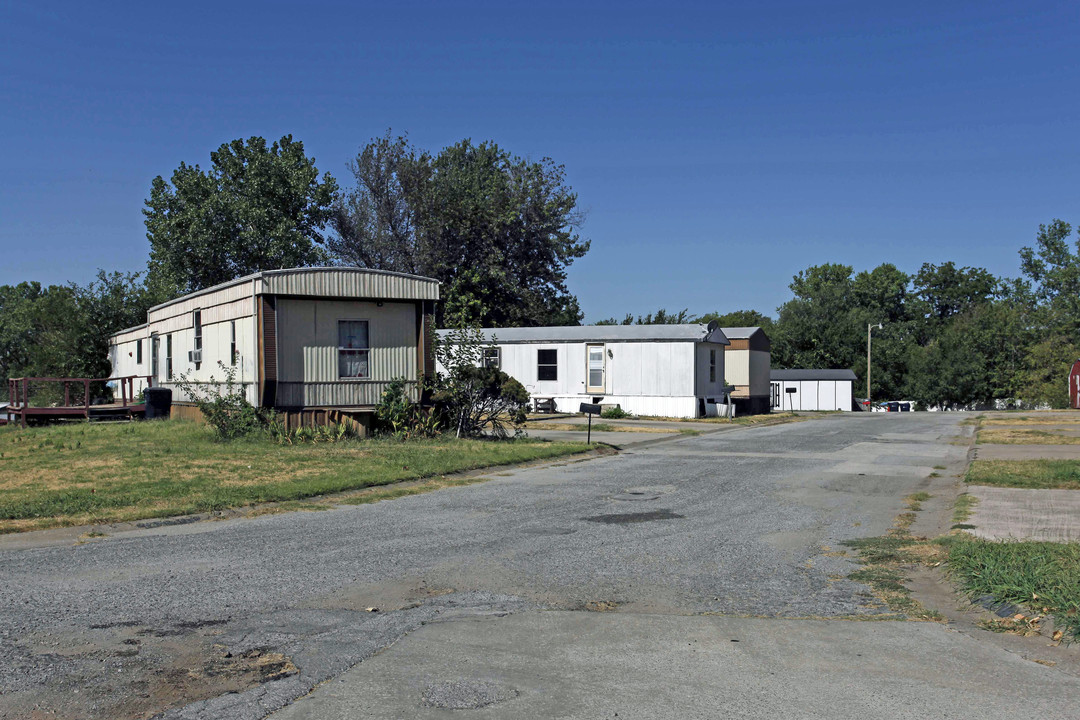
(258, 207)
(498, 231)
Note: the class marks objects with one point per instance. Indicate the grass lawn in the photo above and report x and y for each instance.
(1024, 436)
(1043, 576)
(81, 473)
(1033, 474)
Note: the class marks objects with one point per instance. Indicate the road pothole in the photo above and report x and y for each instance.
(466, 694)
(648, 492)
(638, 517)
(538, 530)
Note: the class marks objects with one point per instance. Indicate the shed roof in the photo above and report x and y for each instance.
(820, 374)
(740, 333)
(604, 333)
(351, 282)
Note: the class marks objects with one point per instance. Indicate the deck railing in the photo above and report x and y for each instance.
(19, 395)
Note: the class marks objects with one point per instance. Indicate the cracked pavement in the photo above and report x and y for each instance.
(240, 618)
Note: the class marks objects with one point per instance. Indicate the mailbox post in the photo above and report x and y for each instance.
(590, 410)
(791, 400)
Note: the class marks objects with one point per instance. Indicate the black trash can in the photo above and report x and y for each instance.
(158, 403)
(893, 406)
(905, 407)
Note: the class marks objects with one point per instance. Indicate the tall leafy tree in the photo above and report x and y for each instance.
(1052, 268)
(258, 207)
(497, 230)
(739, 318)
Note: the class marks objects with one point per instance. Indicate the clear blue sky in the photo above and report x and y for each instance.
(718, 148)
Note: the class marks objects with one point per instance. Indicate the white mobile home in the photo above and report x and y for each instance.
(303, 340)
(794, 390)
(748, 361)
(666, 370)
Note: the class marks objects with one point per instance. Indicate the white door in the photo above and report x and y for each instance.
(595, 369)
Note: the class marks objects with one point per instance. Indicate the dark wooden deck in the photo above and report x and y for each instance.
(77, 400)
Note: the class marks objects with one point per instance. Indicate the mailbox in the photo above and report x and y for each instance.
(589, 409)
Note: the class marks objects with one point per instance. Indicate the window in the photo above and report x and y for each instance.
(353, 349)
(168, 356)
(595, 368)
(232, 343)
(547, 364)
(138, 352)
(155, 351)
(198, 338)
(774, 395)
(712, 366)
(493, 357)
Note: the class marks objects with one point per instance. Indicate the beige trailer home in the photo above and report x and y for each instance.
(748, 359)
(304, 341)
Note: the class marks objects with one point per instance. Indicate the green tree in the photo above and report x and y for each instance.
(739, 318)
(660, 317)
(258, 208)
(1053, 269)
(497, 230)
(971, 361)
(824, 325)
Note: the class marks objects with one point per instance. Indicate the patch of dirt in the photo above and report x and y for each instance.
(602, 605)
(127, 671)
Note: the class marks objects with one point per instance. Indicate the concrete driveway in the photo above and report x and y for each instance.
(579, 589)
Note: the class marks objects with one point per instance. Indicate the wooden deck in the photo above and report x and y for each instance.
(78, 389)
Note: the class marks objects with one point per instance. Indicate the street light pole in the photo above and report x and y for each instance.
(869, 327)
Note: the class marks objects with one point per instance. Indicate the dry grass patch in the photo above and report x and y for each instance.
(83, 473)
(1012, 436)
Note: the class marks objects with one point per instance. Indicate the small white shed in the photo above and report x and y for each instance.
(664, 370)
(795, 390)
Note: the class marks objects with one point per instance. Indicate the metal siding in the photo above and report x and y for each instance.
(349, 284)
(307, 351)
(184, 307)
(355, 393)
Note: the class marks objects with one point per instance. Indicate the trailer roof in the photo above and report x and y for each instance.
(819, 374)
(329, 282)
(604, 333)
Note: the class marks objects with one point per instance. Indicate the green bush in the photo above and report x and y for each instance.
(614, 413)
(224, 405)
(399, 416)
(472, 397)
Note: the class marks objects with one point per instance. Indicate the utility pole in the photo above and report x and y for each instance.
(869, 327)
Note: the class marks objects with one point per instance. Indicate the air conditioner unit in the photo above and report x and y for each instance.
(194, 356)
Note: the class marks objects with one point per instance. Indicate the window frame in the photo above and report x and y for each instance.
(712, 365)
(485, 357)
(589, 386)
(138, 351)
(554, 366)
(340, 348)
(168, 357)
(232, 343)
(196, 322)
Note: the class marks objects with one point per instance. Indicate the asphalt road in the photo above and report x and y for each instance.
(237, 619)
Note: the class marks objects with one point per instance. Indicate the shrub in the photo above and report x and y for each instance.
(332, 433)
(475, 398)
(224, 405)
(614, 413)
(399, 416)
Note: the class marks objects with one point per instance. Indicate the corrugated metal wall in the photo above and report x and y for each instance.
(308, 350)
(349, 283)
